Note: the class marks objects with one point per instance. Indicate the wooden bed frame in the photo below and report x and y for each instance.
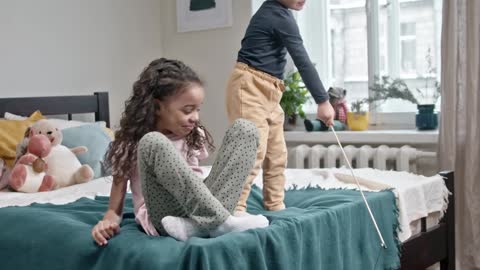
(59, 105)
(436, 244)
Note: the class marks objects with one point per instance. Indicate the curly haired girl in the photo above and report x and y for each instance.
(158, 147)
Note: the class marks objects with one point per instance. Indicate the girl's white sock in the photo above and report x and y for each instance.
(241, 213)
(240, 224)
(181, 228)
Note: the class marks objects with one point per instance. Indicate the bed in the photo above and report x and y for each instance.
(321, 229)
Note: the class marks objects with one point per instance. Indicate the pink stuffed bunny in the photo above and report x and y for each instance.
(33, 165)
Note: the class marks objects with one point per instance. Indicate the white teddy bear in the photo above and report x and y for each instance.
(48, 165)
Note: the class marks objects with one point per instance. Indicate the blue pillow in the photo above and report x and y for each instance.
(95, 139)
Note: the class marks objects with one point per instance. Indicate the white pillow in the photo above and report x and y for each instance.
(60, 123)
(11, 116)
(63, 124)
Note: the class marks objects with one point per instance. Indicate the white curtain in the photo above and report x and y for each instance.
(459, 145)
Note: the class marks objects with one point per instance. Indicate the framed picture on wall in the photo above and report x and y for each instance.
(195, 15)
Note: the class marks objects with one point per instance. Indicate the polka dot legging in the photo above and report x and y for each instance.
(171, 188)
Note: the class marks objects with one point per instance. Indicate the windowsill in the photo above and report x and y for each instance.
(400, 137)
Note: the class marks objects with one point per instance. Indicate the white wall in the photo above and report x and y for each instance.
(68, 47)
(212, 53)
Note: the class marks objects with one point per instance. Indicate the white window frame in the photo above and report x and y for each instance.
(323, 50)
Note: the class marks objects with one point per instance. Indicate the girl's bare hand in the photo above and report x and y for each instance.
(104, 230)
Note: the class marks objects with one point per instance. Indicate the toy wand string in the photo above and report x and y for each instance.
(361, 191)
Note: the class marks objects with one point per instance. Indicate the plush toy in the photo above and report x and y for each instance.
(318, 125)
(47, 165)
(337, 99)
(4, 174)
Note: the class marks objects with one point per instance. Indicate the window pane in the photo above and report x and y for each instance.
(383, 46)
(408, 49)
(407, 29)
(348, 24)
(419, 52)
(335, 35)
(344, 3)
(420, 32)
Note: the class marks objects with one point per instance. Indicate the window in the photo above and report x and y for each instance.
(408, 47)
(348, 21)
(352, 41)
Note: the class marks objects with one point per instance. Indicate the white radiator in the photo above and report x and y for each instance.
(382, 157)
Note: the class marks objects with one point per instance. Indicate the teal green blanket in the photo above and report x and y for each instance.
(320, 229)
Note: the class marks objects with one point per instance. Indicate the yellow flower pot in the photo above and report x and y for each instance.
(357, 121)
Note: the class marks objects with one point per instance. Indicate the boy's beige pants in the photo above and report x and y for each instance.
(255, 96)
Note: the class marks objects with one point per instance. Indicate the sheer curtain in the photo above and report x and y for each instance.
(459, 145)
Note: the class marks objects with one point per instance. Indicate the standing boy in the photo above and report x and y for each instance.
(255, 88)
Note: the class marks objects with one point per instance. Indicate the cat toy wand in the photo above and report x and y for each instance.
(361, 191)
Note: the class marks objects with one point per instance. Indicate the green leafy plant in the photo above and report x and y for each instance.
(295, 95)
(427, 95)
(358, 106)
(388, 88)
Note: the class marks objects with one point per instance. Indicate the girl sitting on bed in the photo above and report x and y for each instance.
(157, 148)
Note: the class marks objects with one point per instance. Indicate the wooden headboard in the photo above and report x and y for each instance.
(59, 105)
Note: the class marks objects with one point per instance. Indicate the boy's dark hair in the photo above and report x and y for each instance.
(161, 79)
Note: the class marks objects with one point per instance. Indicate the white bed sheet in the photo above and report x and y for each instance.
(100, 186)
(417, 196)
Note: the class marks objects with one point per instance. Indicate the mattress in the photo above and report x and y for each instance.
(416, 196)
(320, 229)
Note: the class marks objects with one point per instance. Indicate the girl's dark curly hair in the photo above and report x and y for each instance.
(162, 78)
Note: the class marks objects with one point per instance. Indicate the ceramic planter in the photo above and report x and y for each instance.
(426, 118)
(357, 121)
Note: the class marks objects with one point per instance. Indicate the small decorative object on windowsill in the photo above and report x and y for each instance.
(426, 118)
(318, 125)
(337, 100)
(357, 119)
(293, 98)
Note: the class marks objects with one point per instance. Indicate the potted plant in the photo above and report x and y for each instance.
(425, 99)
(293, 98)
(383, 88)
(357, 118)
(426, 118)
(387, 88)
